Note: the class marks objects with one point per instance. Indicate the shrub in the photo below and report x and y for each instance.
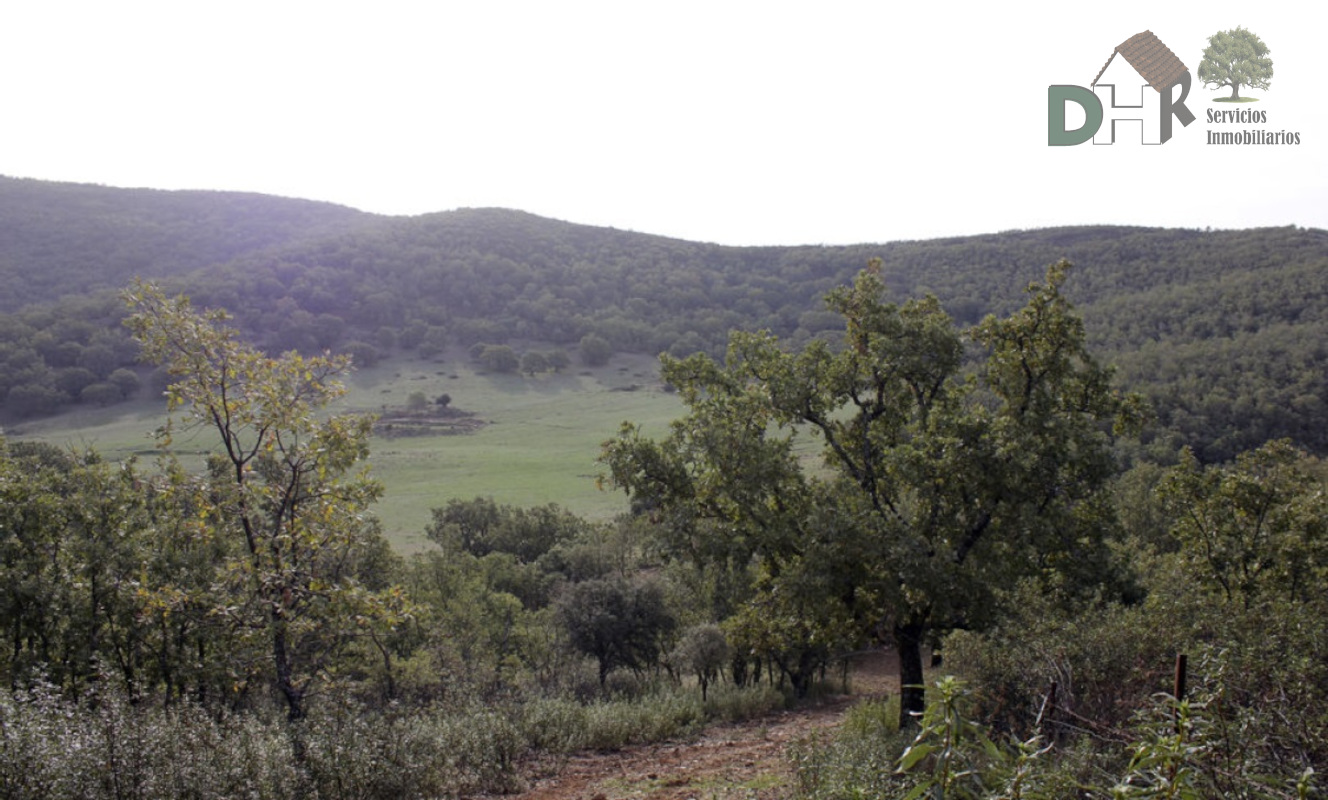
(856, 760)
(103, 393)
(595, 350)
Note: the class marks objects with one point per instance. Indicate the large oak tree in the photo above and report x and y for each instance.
(944, 478)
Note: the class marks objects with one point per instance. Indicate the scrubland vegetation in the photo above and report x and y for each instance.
(888, 468)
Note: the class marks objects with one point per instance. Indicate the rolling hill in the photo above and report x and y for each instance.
(1223, 330)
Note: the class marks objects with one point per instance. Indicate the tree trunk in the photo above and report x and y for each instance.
(1235, 91)
(912, 692)
(387, 666)
(293, 695)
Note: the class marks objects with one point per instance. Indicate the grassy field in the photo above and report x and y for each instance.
(539, 444)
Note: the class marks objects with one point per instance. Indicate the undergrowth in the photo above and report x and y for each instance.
(108, 747)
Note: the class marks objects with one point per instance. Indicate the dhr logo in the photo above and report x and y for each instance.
(1137, 87)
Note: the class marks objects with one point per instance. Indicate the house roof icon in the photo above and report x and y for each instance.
(1153, 60)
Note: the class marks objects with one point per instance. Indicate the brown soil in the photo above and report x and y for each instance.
(745, 760)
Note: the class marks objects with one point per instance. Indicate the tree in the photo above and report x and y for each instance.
(385, 339)
(412, 335)
(558, 360)
(281, 483)
(482, 526)
(127, 380)
(97, 580)
(362, 354)
(702, 651)
(940, 487)
(499, 358)
(616, 623)
(103, 393)
(32, 399)
(1236, 58)
(595, 350)
(72, 380)
(533, 362)
(1255, 528)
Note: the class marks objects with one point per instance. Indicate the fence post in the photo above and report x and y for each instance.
(1179, 688)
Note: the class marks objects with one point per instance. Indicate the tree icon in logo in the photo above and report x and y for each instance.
(1236, 58)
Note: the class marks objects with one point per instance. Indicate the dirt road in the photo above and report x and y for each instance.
(744, 760)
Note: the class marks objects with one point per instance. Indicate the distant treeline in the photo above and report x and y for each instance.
(1223, 331)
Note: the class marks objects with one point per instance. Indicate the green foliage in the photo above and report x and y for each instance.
(1254, 718)
(565, 726)
(1220, 329)
(31, 400)
(558, 360)
(1236, 58)
(417, 401)
(938, 486)
(595, 350)
(952, 756)
(499, 358)
(100, 394)
(72, 380)
(482, 526)
(1253, 528)
(534, 362)
(363, 355)
(1191, 749)
(127, 381)
(617, 623)
(62, 238)
(112, 749)
(1197, 747)
(1104, 660)
(702, 651)
(101, 584)
(280, 486)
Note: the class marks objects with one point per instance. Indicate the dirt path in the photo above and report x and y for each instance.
(746, 760)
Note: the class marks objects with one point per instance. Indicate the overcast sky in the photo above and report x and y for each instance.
(740, 123)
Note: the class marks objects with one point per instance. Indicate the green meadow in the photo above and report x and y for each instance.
(538, 443)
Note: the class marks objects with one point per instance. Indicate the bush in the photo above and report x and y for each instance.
(104, 393)
(497, 357)
(595, 350)
(856, 760)
(616, 623)
(50, 747)
(127, 380)
(108, 747)
(1105, 661)
(702, 651)
(363, 355)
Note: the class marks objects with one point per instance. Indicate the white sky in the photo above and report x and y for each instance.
(741, 123)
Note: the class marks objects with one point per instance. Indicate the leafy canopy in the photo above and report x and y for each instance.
(942, 479)
(283, 483)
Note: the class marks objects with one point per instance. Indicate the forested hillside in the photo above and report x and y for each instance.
(65, 238)
(1222, 330)
(1119, 618)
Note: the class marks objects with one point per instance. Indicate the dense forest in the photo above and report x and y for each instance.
(990, 494)
(59, 239)
(1221, 330)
